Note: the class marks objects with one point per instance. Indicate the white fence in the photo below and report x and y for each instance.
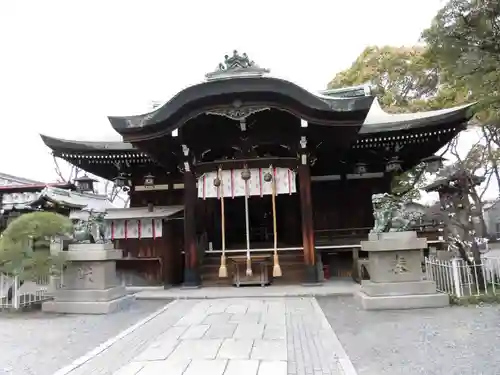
(458, 278)
(15, 295)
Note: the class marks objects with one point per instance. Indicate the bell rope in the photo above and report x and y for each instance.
(246, 177)
(276, 263)
(223, 266)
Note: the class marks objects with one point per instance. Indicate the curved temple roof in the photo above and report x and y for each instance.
(238, 82)
(269, 92)
(377, 121)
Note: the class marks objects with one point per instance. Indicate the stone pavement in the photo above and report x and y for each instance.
(339, 287)
(255, 336)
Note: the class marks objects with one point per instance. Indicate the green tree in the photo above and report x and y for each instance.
(405, 80)
(25, 245)
(464, 40)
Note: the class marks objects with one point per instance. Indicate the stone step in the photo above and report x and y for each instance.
(402, 302)
(398, 289)
(292, 268)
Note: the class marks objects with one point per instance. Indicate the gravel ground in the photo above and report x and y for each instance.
(34, 343)
(448, 341)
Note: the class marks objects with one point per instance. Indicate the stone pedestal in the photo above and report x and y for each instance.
(89, 282)
(396, 279)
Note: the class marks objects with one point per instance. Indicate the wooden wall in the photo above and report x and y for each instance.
(158, 260)
(344, 204)
(169, 197)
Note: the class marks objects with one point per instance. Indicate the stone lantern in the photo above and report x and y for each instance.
(120, 180)
(149, 180)
(434, 163)
(393, 165)
(361, 168)
(85, 184)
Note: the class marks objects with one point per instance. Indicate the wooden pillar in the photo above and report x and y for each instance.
(306, 207)
(191, 271)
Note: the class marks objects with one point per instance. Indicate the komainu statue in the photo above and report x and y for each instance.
(390, 214)
(91, 230)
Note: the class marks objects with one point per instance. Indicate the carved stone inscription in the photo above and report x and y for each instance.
(85, 273)
(399, 265)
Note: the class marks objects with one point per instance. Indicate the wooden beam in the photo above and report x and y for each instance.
(311, 273)
(191, 271)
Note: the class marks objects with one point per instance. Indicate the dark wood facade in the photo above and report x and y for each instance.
(339, 154)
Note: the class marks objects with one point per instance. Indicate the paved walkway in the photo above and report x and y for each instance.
(231, 336)
(338, 287)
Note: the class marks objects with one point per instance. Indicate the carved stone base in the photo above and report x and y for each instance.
(413, 301)
(90, 285)
(394, 265)
(394, 256)
(89, 307)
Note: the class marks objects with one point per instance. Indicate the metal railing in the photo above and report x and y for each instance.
(458, 278)
(15, 294)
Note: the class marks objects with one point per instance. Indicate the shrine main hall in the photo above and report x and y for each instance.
(250, 179)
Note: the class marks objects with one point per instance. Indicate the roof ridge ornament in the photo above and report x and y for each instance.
(236, 66)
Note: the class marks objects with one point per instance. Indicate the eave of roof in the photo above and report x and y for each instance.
(19, 180)
(72, 145)
(378, 121)
(36, 187)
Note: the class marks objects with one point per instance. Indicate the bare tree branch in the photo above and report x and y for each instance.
(74, 171)
(57, 169)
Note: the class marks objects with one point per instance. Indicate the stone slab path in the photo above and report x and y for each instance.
(279, 336)
(339, 287)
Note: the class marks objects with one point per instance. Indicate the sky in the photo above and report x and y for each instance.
(67, 65)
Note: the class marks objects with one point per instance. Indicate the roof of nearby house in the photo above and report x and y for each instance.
(10, 184)
(63, 197)
(17, 180)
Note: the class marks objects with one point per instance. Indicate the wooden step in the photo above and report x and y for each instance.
(292, 268)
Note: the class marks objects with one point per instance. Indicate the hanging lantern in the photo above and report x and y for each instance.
(120, 180)
(85, 184)
(394, 165)
(434, 163)
(246, 174)
(217, 181)
(361, 168)
(268, 177)
(149, 180)
(303, 142)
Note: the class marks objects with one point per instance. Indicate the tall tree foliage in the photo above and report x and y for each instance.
(405, 79)
(464, 39)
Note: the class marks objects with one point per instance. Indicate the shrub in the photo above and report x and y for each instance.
(25, 245)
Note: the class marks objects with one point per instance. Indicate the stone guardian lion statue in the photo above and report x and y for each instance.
(390, 214)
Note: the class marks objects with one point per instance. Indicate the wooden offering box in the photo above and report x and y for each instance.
(260, 268)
